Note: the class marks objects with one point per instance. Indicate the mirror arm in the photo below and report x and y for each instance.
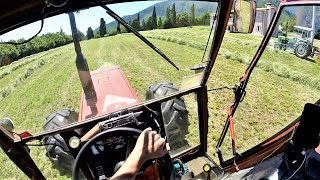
(135, 32)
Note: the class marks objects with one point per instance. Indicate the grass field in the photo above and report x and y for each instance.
(276, 94)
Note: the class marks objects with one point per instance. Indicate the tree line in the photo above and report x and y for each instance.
(52, 40)
(38, 44)
(171, 20)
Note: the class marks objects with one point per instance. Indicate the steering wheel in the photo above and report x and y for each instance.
(103, 155)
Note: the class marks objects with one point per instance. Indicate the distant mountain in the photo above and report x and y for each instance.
(181, 6)
(288, 15)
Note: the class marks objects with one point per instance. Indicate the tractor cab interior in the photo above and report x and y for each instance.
(78, 102)
(123, 91)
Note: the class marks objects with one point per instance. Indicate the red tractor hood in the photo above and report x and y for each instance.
(113, 93)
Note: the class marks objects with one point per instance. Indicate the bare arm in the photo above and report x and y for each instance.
(149, 146)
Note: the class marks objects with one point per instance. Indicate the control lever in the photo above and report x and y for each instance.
(207, 168)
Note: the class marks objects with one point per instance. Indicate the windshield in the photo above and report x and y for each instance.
(40, 79)
(284, 80)
(42, 74)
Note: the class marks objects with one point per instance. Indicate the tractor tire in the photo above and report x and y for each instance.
(7, 124)
(57, 150)
(303, 50)
(276, 46)
(174, 113)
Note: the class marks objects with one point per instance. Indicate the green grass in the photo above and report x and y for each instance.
(276, 92)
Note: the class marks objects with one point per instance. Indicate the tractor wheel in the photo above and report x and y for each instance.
(174, 113)
(302, 50)
(57, 150)
(7, 124)
(276, 46)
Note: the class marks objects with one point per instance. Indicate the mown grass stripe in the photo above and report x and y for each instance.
(4, 74)
(281, 71)
(29, 71)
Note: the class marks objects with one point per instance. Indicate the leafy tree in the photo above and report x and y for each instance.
(11, 51)
(167, 22)
(317, 36)
(118, 28)
(61, 31)
(168, 14)
(204, 19)
(291, 25)
(144, 26)
(113, 32)
(183, 20)
(138, 18)
(103, 29)
(288, 21)
(160, 25)
(81, 35)
(154, 19)
(192, 15)
(149, 23)
(123, 29)
(90, 34)
(136, 23)
(97, 35)
(130, 23)
(41, 43)
(173, 15)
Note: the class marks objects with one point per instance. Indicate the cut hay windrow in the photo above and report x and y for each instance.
(279, 70)
(268, 66)
(4, 74)
(22, 77)
(20, 63)
(180, 41)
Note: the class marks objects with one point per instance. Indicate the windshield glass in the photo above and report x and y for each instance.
(40, 79)
(42, 74)
(293, 71)
(286, 77)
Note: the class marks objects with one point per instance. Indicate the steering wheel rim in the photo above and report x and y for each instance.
(76, 168)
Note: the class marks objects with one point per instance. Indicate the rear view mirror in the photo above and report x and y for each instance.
(244, 16)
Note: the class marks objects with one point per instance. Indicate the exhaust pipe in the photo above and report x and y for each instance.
(83, 69)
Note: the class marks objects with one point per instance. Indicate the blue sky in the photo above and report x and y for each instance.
(86, 18)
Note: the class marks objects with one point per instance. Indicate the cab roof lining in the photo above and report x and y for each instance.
(15, 14)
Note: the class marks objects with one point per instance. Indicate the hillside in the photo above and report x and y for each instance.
(181, 6)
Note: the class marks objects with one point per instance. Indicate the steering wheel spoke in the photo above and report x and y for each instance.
(130, 147)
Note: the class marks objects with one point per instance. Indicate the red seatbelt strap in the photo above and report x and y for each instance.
(233, 135)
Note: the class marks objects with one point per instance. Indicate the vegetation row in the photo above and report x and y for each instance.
(38, 44)
(172, 19)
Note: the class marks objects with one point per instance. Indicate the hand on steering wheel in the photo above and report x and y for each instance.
(150, 145)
